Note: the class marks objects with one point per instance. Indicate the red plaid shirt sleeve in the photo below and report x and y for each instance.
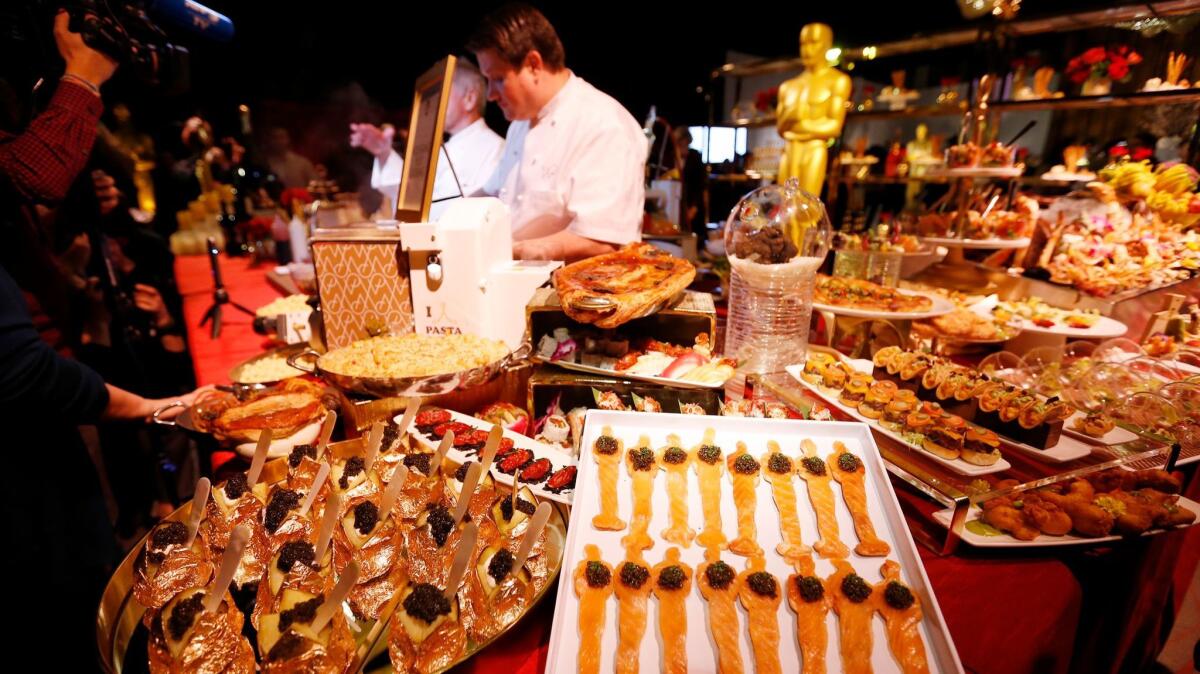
(43, 160)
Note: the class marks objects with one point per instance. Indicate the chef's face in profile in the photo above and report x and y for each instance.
(512, 88)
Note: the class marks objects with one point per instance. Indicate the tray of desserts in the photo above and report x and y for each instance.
(1102, 507)
(547, 467)
(793, 521)
(343, 557)
(920, 425)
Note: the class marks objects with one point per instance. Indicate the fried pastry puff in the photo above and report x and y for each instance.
(815, 474)
(709, 468)
(642, 468)
(901, 611)
(632, 587)
(778, 469)
(810, 600)
(675, 461)
(851, 595)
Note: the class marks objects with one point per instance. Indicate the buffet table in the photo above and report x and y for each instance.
(1006, 613)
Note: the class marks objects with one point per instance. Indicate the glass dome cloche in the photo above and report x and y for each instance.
(776, 238)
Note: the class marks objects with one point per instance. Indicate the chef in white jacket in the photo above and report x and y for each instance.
(574, 160)
(474, 149)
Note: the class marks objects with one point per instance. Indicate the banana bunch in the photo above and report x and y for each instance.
(1177, 179)
(1130, 179)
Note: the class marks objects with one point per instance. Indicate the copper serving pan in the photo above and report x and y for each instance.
(119, 618)
(385, 387)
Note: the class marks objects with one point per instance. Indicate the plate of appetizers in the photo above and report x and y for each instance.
(1101, 507)
(548, 470)
(642, 359)
(897, 413)
(858, 298)
(795, 521)
(343, 556)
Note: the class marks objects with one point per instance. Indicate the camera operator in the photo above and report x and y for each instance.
(60, 545)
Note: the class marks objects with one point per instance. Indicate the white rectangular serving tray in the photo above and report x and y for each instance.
(885, 514)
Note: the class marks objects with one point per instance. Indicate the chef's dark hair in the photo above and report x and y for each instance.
(516, 29)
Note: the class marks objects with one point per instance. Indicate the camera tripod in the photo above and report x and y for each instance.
(220, 294)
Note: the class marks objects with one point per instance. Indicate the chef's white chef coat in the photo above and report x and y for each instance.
(583, 160)
(475, 152)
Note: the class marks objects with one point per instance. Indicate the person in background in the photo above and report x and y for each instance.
(292, 169)
(474, 149)
(694, 211)
(574, 159)
(58, 539)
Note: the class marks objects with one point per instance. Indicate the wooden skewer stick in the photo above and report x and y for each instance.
(199, 501)
(315, 488)
(462, 557)
(328, 522)
(333, 603)
(468, 490)
(399, 477)
(326, 432)
(260, 457)
(411, 407)
(493, 445)
(440, 455)
(229, 565)
(536, 524)
(374, 439)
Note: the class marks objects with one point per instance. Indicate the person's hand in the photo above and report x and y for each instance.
(188, 399)
(148, 299)
(107, 194)
(535, 249)
(377, 141)
(82, 61)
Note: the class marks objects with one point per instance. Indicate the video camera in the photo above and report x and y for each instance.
(126, 31)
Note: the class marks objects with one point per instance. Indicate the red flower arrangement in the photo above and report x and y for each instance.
(1102, 62)
(294, 194)
(766, 100)
(257, 228)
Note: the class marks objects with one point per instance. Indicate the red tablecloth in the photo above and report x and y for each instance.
(1006, 613)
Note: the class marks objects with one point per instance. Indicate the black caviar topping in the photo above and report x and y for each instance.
(597, 574)
(848, 462)
(810, 588)
(855, 588)
(634, 575)
(461, 473)
(426, 602)
(168, 534)
(672, 578)
(352, 468)
(500, 565)
(506, 509)
(390, 433)
(282, 502)
(746, 464)
(298, 454)
(813, 465)
(289, 646)
(440, 522)
(898, 596)
(302, 613)
(296, 551)
(235, 486)
(719, 575)
(780, 464)
(642, 458)
(763, 584)
(366, 516)
(184, 615)
(674, 455)
(606, 444)
(420, 462)
(709, 454)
